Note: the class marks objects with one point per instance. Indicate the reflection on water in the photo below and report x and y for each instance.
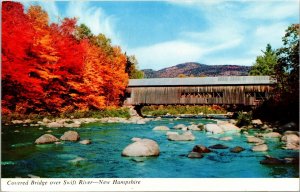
(102, 158)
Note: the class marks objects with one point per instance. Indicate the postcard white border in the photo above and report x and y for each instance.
(135, 184)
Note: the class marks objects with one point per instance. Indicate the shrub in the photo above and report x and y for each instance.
(244, 119)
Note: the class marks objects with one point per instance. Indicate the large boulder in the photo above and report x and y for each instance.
(237, 149)
(161, 128)
(70, 136)
(46, 138)
(262, 147)
(213, 128)
(141, 148)
(251, 139)
(291, 138)
(201, 149)
(186, 136)
(291, 141)
(228, 127)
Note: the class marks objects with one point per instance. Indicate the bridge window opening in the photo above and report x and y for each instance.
(202, 95)
(257, 95)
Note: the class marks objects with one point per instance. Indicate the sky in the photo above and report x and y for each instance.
(165, 33)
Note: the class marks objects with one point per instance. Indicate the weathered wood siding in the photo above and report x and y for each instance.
(230, 94)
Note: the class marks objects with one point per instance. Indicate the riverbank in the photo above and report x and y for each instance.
(81, 116)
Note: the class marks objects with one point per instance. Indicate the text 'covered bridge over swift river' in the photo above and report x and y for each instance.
(222, 90)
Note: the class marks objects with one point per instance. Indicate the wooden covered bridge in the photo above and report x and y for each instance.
(222, 90)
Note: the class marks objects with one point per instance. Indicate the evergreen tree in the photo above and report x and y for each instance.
(265, 64)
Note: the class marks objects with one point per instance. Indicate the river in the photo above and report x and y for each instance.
(102, 159)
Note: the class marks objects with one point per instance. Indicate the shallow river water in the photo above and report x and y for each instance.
(102, 159)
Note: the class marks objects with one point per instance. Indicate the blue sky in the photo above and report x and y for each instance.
(165, 33)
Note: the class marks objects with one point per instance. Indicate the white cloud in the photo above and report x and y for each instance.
(166, 54)
(268, 34)
(244, 26)
(247, 61)
(51, 8)
(94, 17)
(271, 9)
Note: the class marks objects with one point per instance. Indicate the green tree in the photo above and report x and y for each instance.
(83, 32)
(287, 70)
(105, 43)
(284, 105)
(132, 68)
(265, 64)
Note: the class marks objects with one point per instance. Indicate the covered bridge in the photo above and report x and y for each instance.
(223, 90)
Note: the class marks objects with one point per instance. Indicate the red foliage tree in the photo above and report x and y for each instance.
(47, 68)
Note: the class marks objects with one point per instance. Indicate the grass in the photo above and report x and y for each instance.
(180, 109)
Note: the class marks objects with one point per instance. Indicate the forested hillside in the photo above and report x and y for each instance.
(193, 69)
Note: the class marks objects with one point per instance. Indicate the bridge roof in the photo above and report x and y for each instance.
(196, 81)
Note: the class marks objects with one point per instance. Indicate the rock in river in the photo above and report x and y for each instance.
(226, 138)
(271, 135)
(70, 136)
(161, 128)
(54, 125)
(251, 139)
(218, 146)
(195, 155)
(193, 128)
(46, 138)
(237, 149)
(134, 139)
(186, 136)
(291, 141)
(201, 149)
(262, 147)
(213, 128)
(271, 161)
(225, 126)
(85, 142)
(256, 122)
(180, 126)
(142, 148)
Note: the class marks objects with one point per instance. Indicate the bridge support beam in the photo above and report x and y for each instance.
(138, 109)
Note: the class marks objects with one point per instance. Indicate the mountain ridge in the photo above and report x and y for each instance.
(194, 69)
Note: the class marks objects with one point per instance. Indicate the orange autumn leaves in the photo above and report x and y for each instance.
(56, 68)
